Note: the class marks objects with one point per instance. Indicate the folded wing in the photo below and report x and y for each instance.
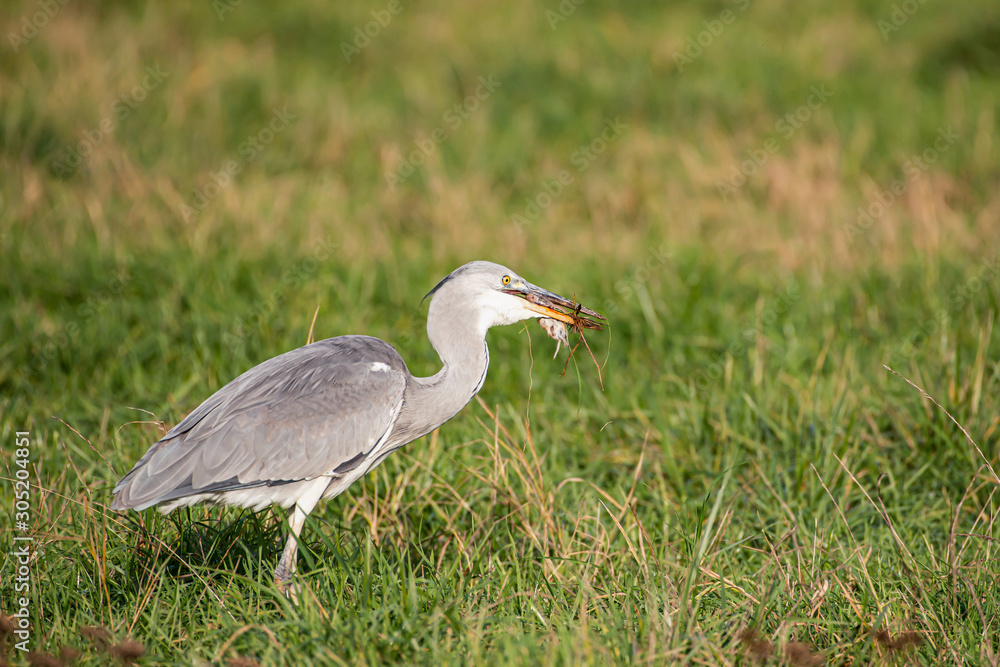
(320, 410)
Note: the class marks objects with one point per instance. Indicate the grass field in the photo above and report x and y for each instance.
(771, 201)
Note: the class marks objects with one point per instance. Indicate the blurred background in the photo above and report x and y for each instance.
(768, 199)
(169, 164)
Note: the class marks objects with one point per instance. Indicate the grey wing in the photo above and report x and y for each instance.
(318, 410)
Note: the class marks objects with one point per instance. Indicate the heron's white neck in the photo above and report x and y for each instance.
(431, 401)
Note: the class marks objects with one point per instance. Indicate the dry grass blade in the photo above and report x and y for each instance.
(913, 564)
(89, 443)
(312, 326)
(967, 436)
(160, 424)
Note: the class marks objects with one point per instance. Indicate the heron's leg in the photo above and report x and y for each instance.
(311, 494)
(286, 566)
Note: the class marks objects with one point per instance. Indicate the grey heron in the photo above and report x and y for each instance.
(306, 424)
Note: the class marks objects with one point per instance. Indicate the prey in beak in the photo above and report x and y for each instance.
(555, 313)
(551, 305)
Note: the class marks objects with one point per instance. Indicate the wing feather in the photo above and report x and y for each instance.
(313, 411)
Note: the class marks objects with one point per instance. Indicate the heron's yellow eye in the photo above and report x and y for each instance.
(505, 280)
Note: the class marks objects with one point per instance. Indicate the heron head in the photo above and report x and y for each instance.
(494, 295)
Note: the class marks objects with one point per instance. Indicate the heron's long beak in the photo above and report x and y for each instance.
(549, 304)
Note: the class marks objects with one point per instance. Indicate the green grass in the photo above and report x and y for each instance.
(749, 462)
